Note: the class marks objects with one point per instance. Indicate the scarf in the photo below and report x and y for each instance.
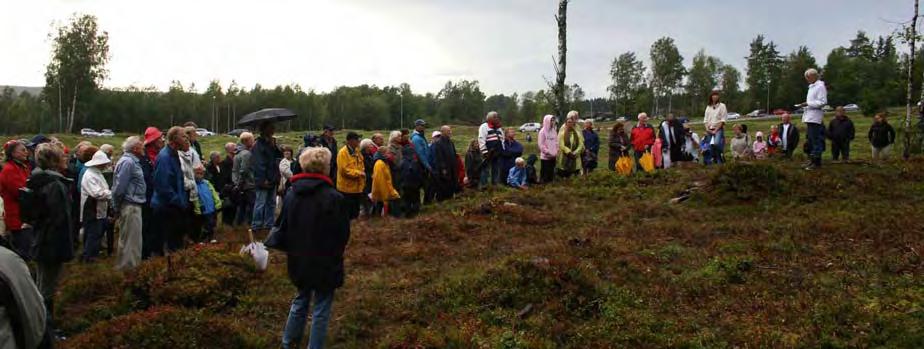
(189, 174)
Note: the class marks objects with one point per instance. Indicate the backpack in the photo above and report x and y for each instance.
(411, 174)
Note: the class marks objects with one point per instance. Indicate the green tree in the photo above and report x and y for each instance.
(77, 67)
(667, 69)
(763, 71)
(730, 85)
(703, 77)
(628, 76)
(792, 87)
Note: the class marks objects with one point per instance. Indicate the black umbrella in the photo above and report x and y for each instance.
(265, 115)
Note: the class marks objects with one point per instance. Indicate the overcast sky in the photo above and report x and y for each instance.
(507, 45)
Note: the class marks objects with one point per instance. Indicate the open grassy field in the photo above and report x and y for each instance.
(761, 255)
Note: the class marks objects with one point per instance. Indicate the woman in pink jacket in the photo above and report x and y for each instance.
(548, 148)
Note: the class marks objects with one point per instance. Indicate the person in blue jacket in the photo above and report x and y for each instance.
(170, 200)
(265, 157)
(517, 175)
(424, 153)
(511, 151)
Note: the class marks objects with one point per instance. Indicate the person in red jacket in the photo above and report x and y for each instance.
(15, 172)
(642, 137)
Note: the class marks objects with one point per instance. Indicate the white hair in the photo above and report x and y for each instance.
(520, 161)
(365, 144)
(106, 148)
(130, 143)
(811, 72)
(394, 136)
(640, 115)
(315, 160)
(491, 114)
(245, 136)
(573, 115)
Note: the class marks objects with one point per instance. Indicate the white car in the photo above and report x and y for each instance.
(851, 107)
(734, 116)
(89, 132)
(201, 132)
(530, 127)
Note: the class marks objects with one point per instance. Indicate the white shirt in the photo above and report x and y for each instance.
(816, 99)
(714, 115)
(784, 136)
(94, 186)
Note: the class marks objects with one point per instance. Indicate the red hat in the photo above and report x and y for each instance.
(151, 134)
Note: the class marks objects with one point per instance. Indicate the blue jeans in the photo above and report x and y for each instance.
(264, 209)
(298, 315)
(92, 238)
(816, 138)
(717, 150)
(490, 172)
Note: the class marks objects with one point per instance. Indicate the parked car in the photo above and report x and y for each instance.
(851, 107)
(733, 116)
(530, 127)
(827, 108)
(779, 111)
(755, 113)
(89, 132)
(204, 132)
(237, 132)
(106, 133)
(621, 119)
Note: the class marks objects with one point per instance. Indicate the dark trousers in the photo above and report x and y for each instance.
(410, 197)
(149, 227)
(203, 229)
(245, 208)
(638, 156)
(109, 233)
(92, 238)
(353, 202)
(547, 171)
(840, 148)
(228, 213)
(22, 240)
(175, 225)
(816, 139)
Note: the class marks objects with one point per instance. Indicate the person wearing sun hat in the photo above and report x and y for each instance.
(94, 204)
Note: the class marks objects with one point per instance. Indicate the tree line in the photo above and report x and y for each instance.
(867, 71)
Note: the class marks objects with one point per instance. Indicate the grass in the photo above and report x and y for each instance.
(830, 259)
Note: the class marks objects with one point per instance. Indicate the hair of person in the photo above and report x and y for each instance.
(189, 130)
(9, 147)
(174, 134)
(286, 148)
(881, 115)
(491, 114)
(445, 128)
(365, 144)
(573, 115)
(130, 143)
(811, 72)
(190, 124)
(88, 152)
(230, 145)
(520, 161)
(714, 93)
(246, 136)
(315, 160)
(199, 167)
(394, 137)
(48, 156)
(618, 126)
(107, 148)
(640, 115)
(214, 154)
(588, 122)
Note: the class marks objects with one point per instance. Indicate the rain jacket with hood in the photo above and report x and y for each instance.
(548, 139)
(12, 177)
(351, 171)
(313, 229)
(53, 232)
(169, 187)
(570, 143)
(383, 188)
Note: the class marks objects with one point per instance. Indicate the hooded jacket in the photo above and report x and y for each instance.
(313, 228)
(53, 225)
(841, 130)
(573, 146)
(351, 171)
(548, 139)
(169, 188)
(12, 177)
(265, 157)
(881, 135)
(383, 189)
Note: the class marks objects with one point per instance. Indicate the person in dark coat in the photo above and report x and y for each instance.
(445, 166)
(841, 132)
(171, 199)
(672, 135)
(619, 145)
(228, 209)
(313, 230)
(328, 141)
(881, 137)
(411, 180)
(509, 152)
(367, 148)
(473, 163)
(789, 136)
(52, 222)
(265, 157)
(591, 147)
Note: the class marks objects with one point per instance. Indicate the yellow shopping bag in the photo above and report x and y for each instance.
(647, 162)
(624, 165)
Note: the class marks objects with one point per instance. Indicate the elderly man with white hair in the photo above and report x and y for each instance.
(491, 143)
(813, 118)
(242, 176)
(313, 229)
(642, 138)
(128, 196)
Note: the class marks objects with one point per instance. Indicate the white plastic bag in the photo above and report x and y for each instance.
(259, 254)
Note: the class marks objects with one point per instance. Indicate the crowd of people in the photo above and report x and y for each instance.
(163, 192)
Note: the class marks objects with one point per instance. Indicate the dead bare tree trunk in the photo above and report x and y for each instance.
(70, 116)
(914, 22)
(559, 89)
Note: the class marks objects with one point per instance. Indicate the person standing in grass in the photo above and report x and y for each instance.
(351, 173)
(13, 176)
(714, 122)
(313, 230)
(591, 147)
(473, 163)
(129, 194)
(671, 134)
(491, 143)
(548, 148)
(881, 137)
(445, 166)
(242, 176)
(94, 204)
(619, 144)
(53, 224)
(171, 198)
(205, 209)
(642, 138)
(759, 148)
(571, 147)
(841, 132)
(789, 136)
(773, 141)
(265, 159)
(813, 118)
(383, 192)
(512, 150)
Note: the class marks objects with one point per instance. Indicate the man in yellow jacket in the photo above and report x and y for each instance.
(351, 174)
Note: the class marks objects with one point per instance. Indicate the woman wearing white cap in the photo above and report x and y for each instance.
(94, 204)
